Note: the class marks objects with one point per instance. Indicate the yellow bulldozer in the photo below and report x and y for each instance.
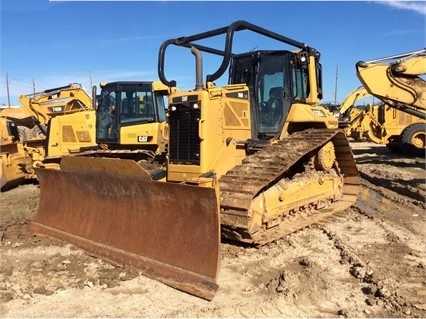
(397, 81)
(378, 123)
(15, 163)
(250, 161)
(48, 125)
(131, 122)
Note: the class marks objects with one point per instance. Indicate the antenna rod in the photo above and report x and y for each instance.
(335, 87)
(8, 95)
(90, 80)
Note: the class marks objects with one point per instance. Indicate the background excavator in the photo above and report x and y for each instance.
(250, 161)
(378, 123)
(349, 108)
(48, 125)
(397, 81)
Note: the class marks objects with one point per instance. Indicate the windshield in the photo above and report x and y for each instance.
(264, 73)
(128, 104)
(271, 93)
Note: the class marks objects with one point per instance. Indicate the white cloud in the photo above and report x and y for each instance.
(416, 6)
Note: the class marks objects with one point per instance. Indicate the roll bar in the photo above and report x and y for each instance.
(227, 53)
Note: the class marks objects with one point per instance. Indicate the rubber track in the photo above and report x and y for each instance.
(262, 169)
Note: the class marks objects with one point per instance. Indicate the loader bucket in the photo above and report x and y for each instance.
(112, 209)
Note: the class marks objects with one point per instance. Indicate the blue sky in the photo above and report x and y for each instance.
(46, 44)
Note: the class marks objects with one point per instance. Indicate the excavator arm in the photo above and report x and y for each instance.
(57, 101)
(397, 81)
(351, 98)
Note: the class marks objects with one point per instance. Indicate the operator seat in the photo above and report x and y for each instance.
(275, 102)
(149, 106)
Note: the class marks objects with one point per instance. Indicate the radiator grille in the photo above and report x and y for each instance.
(184, 141)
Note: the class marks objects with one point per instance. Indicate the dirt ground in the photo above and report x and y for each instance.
(369, 261)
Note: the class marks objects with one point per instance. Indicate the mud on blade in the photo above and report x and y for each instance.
(112, 209)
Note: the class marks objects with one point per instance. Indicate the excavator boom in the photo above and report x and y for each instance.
(397, 81)
(48, 125)
(56, 101)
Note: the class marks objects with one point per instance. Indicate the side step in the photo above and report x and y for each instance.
(112, 209)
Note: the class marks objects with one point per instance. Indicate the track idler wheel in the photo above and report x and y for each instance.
(325, 157)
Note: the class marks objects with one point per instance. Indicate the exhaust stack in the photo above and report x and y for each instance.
(198, 68)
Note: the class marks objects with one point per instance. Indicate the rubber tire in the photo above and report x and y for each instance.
(407, 136)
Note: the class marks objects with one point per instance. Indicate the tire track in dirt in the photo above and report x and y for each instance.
(300, 276)
(365, 262)
(391, 264)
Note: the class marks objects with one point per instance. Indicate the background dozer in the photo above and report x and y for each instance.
(250, 161)
(131, 123)
(48, 125)
(397, 81)
(15, 164)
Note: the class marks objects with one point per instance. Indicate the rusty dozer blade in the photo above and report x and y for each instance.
(112, 209)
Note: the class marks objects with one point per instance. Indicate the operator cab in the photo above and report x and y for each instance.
(123, 104)
(276, 80)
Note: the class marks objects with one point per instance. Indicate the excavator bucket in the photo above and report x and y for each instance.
(112, 209)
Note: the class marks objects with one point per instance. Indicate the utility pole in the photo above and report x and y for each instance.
(33, 86)
(335, 87)
(90, 80)
(7, 88)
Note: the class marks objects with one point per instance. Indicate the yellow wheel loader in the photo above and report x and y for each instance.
(397, 81)
(379, 123)
(250, 161)
(383, 124)
(48, 125)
